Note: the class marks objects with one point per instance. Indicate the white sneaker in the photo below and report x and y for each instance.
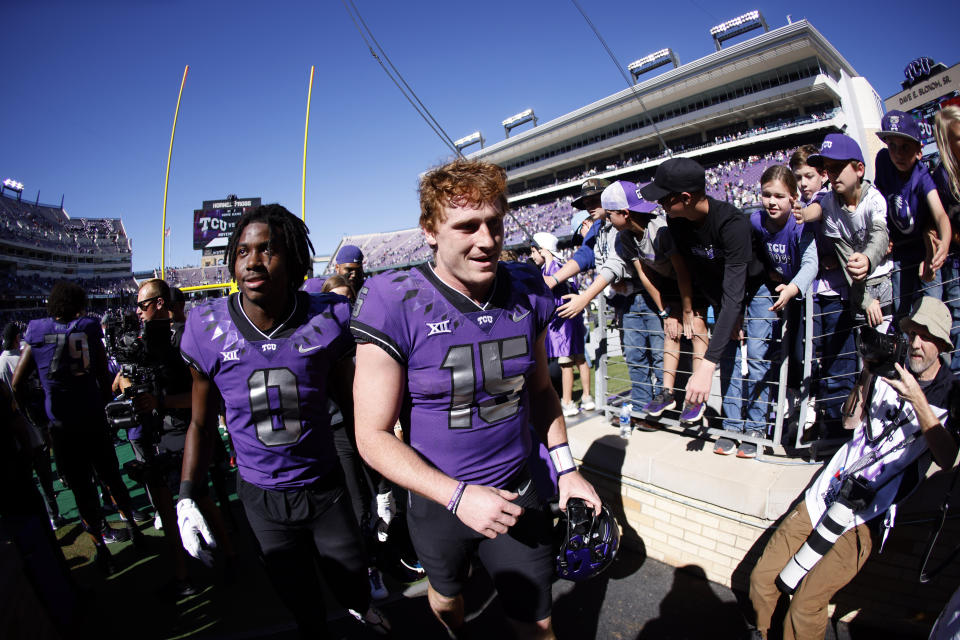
(158, 523)
(373, 619)
(378, 591)
(587, 403)
(569, 410)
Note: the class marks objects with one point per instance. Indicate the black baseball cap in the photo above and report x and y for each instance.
(591, 187)
(676, 175)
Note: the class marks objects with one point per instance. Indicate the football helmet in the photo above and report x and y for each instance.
(586, 543)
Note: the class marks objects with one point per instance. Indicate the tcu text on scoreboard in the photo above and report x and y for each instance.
(217, 218)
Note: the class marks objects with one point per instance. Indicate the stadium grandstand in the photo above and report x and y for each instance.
(736, 111)
(41, 243)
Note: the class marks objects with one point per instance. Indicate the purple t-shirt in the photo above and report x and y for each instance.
(565, 336)
(64, 363)
(779, 250)
(465, 407)
(274, 388)
(908, 213)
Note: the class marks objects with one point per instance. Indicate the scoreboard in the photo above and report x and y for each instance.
(217, 218)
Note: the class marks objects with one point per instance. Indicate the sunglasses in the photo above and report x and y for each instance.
(145, 304)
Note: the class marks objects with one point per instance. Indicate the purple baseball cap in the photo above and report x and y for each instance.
(622, 194)
(836, 146)
(349, 254)
(897, 124)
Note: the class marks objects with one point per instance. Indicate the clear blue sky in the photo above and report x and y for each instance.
(90, 89)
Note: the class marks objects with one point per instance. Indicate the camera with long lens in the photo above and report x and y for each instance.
(880, 351)
(854, 495)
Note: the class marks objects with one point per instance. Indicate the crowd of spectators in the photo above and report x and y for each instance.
(649, 155)
(51, 228)
(735, 181)
(195, 276)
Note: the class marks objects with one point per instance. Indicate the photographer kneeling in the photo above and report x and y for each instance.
(897, 413)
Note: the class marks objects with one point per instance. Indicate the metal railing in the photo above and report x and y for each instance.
(787, 413)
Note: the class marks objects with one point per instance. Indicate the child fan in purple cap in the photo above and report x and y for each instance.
(914, 210)
(854, 217)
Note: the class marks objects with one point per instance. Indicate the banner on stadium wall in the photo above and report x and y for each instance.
(217, 219)
(935, 86)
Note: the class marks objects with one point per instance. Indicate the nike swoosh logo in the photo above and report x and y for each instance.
(522, 490)
(518, 318)
(309, 349)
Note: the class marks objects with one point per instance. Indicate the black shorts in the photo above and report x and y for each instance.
(521, 562)
(295, 526)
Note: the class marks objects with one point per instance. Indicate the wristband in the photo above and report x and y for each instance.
(556, 281)
(186, 490)
(562, 459)
(455, 498)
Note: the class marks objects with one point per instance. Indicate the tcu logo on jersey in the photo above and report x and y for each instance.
(778, 252)
(229, 356)
(438, 327)
(270, 346)
(482, 320)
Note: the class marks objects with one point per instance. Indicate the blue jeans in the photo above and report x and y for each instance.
(643, 350)
(950, 274)
(908, 287)
(835, 359)
(747, 401)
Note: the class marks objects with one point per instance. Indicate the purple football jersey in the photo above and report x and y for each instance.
(313, 285)
(275, 387)
(66, 370)
(466, 406)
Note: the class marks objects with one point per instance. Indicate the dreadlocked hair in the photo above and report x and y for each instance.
(67, 300)
(286, 230)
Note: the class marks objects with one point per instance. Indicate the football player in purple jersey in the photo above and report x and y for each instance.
(274, 355)
(455, 350)
(67, 351)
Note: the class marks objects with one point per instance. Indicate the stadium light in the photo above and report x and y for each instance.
(737, 26)
(13, 185)
(466, 141)
(651, 62)
(515, 121)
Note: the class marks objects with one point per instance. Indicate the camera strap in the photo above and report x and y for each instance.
(870, 458)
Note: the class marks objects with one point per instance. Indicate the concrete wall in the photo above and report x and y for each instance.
(682, 505)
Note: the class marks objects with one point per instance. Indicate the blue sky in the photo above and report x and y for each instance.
(90, 90)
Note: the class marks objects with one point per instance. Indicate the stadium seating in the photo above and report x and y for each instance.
(735, 180)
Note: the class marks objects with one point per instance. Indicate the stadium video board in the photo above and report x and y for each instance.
(217, 219)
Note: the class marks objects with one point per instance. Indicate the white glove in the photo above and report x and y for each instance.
(192, 526)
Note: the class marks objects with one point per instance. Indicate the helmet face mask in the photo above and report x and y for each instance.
(586, 544)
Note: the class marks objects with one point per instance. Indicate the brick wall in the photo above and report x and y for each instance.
(681, 531)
